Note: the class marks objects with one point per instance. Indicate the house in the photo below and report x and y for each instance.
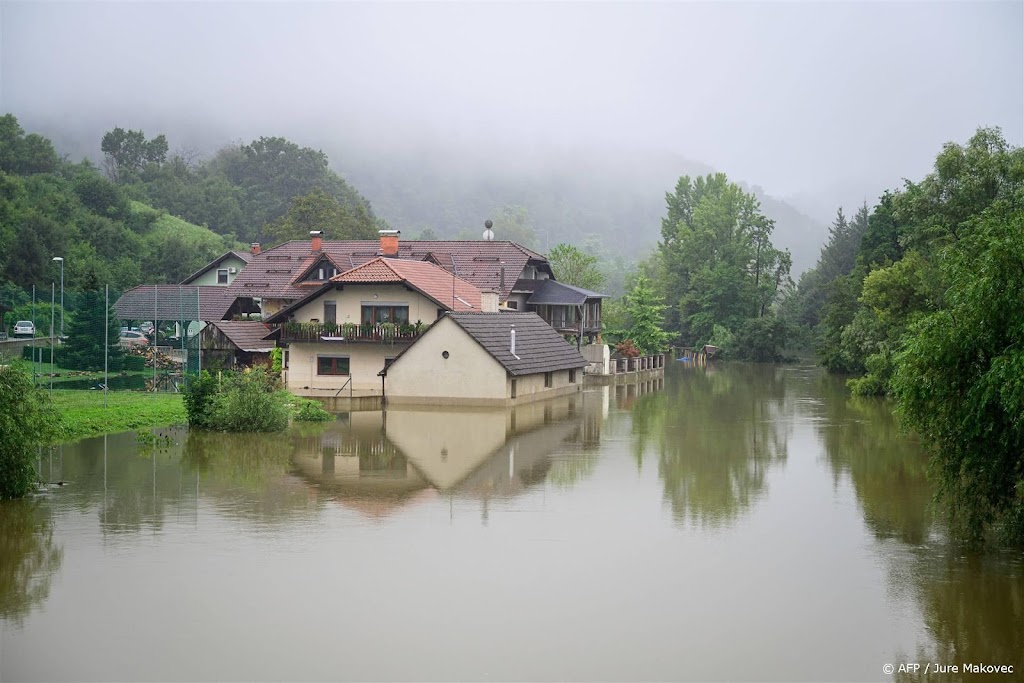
(222, 271)
(343, 332)
(276, 278)
(230, 343)
(569, 310)
(485, 359)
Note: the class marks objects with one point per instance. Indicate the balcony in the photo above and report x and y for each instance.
(380, 333)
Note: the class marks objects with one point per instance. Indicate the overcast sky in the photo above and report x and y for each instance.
(800, 97)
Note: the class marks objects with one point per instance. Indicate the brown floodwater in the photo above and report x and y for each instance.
(729, 523)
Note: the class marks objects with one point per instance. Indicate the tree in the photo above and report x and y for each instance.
(573, 267)
(646, 317)
(959, 379)
(26, 421)
(317, 210)
(24, 154)
(513, 222)
(87, 348)
(126, 152)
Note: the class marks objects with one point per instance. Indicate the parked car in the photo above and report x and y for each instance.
(133, 338)
(24, 328)
(146, 329)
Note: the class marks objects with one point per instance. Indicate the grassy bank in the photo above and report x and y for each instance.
(83, 415)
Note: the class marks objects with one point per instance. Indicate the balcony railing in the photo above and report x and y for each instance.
(350, 332)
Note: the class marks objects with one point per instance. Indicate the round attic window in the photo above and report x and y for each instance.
(444, 354)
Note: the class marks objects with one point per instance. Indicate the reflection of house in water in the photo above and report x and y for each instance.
(377, 462)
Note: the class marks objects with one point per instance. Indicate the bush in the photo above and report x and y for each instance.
(627, 349)
(198, 398)
(310, 411)
(26, 420)
(134, 363)
(249, 402)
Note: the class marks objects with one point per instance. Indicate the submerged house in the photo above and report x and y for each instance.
(341, 334)
(485, 359)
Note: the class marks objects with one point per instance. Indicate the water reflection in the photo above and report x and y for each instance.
(715, 432)
(380, 462)
(29, 557)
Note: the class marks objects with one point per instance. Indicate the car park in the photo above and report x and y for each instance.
(24, 328)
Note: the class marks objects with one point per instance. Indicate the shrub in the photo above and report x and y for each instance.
(310, 411)
(198, 398)
(26, 420)
(249, 402)
(134, 363)
(627, 348)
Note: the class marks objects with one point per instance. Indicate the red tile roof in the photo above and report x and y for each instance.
(276, 272)
(451, 292)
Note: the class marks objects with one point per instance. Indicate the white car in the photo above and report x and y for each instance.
(24, 328)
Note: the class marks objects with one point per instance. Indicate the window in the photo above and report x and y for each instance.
(514, 305)
(332, 365)
(572, 377)
(513, 388)
(222, 276)
(549, 380)
(387, 313)
(330, 312)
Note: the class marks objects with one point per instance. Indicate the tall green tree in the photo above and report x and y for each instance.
(575, 267)
(646, 315)
(87, 347)
(317, 210)
(126, 152)
(26, 421)
(959, 378)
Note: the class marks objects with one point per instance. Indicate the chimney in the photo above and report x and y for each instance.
(254, 248)
(316, 239)
(389, 242)
(512, 334)
(488, 301)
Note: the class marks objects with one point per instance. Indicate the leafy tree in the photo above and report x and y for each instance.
(428, 234)
(646, 316)
(317, 210)
(22, 154)
(513, 222)
(87, 347)
(959, 379)
(574, 267)
(26, 421)
(126, 152)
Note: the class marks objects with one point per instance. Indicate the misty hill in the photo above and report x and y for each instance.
(571, 195)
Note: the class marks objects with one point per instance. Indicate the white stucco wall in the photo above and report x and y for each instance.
(210, 277)
(365, 361)
(469, 372)
(528, 386)
(350, 301)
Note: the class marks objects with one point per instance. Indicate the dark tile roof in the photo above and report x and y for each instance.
(243, 255)
(174, 302)
(538, 347)
(553, 293)
(245, 334)
(276, 272)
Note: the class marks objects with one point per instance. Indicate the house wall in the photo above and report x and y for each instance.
(270, 306)
(531, 387)
(365, 361)
(350, 300)
(210, 277)
(469, 372)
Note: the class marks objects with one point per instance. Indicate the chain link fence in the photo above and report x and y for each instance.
(147, 339)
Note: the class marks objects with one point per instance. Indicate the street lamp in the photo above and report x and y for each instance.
(61, 259)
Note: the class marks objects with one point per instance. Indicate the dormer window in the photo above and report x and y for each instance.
(323, 272)
(222, 276)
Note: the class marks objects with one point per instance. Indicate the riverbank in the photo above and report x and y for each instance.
(83, 413)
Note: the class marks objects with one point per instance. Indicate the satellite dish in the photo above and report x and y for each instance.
(488, 233)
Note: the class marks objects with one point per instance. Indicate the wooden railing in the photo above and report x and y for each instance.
(349, 332)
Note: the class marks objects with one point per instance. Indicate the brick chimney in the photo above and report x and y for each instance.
(389, 242)
(316, 239)
(254, 248)
(488, 301)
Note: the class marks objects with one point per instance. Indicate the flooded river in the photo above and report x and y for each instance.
(729, 523)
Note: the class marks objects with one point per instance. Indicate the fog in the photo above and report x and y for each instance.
(822, 104)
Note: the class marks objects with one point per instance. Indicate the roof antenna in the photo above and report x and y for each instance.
(488, 233)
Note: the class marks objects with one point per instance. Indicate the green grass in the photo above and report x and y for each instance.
(83, 415)
(192, 233)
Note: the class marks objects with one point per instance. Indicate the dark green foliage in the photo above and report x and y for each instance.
(86, 345)
(761, 340)
(645, 313)
(26, 420)
(317, 210)
(310, 411)
(198, 399)
(128, 152)
(959, 378)
(134, 363)
(22, 154)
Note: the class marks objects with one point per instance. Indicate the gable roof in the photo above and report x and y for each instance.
(175, 302)
(247, 335)
(428, 279)
(538, 347)
(276, 272)
(559, 294)
(243, 256)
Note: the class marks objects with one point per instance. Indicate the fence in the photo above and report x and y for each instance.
(146, 339)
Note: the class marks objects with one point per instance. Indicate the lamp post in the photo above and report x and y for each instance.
(61, 259)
